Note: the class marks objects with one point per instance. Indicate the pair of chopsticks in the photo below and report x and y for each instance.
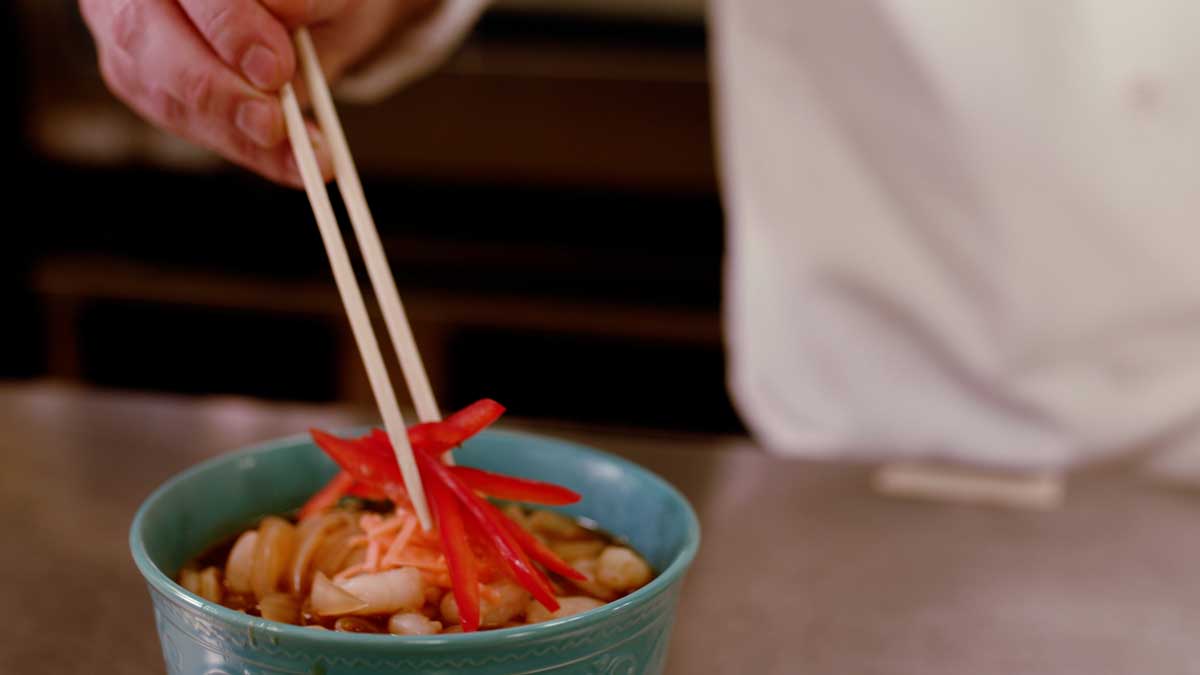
(376, 262)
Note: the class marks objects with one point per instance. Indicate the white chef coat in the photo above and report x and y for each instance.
(959, 230)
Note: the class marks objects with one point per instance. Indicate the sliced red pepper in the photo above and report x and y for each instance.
(475, 417)
(523, 571)
(362, 460)
(515, 489)
(487, 559)
(538, 551)
(328, 496)
(364, 491)
(371, 461)
(438, 437)
(435, 437)
(370, 470)
(464, 577)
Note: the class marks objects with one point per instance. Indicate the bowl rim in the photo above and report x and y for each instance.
(167, 586)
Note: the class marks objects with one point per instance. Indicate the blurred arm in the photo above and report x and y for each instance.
(412, 51)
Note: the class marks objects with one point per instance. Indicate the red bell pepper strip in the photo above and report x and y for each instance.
(515, 489)
(523, 571)
(339, 486)
(487, 559)
(438, 437)
(370, 469)
(475, 417)
(362, 460)
(434, 437)
(327, 496)
(371, 460)
(464, 577)
(538, 551)
(364, 491)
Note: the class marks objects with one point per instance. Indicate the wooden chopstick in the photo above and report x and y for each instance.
(352, 299)
(378, 269)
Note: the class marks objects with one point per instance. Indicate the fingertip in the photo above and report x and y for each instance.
(261, 121)
(290, 171)
(263, 67)
(321, 149)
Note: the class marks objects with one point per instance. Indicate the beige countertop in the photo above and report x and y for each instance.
(802, 570)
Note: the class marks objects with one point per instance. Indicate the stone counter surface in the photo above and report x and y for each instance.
(803, 569)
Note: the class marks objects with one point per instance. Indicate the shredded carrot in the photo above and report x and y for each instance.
(388, 526)
(393, 541)
(430, 539)
(348, 572)
(431, 565)
(372, 562)
(401, 540)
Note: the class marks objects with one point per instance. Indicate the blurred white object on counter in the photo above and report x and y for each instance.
(1038, 490)
(1179, 466)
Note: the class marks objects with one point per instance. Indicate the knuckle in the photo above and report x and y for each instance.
(168, 110)
(128, 27)
(223, 25)
(196, 89)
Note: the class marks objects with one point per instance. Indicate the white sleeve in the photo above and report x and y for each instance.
(412, 53)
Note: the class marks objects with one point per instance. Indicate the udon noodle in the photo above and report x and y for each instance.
(359, 570)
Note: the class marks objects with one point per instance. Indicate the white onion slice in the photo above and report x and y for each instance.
(330, 600)
(241, 562)
(330, 557)
(276, 543)
(311, 537)
(387, 592)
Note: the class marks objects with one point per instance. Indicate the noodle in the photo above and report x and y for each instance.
(349, 569)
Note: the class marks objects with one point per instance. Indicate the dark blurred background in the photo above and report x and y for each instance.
(548, 201)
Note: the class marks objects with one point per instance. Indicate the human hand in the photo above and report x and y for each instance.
(210, 70)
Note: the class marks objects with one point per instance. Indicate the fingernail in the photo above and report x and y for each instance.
(257, 120)
(261, 66)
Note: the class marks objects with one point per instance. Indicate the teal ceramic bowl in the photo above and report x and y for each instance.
(217, 498)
